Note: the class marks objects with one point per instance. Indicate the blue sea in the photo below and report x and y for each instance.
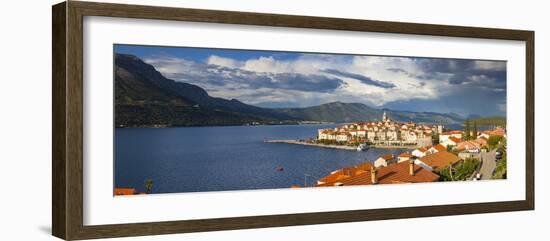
(199, 159)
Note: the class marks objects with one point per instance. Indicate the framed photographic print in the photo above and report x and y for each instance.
(171, 120)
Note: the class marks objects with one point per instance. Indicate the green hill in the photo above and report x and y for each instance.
(490, 121)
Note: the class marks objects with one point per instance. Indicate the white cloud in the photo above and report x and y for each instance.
(169, 66)
(408, 84)
(224, 62)
(268, 65)
(490, 65)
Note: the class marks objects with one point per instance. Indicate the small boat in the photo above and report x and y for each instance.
(362, 147)
(280, 169)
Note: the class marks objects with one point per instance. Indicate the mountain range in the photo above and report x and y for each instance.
(144, 98)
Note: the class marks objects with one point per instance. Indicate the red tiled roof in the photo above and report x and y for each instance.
(497, 132)
(365, 166)
(337, 175)
(387, 157)
(468, 144)
(440, 147)
(391, 174)
(482, 141)
(405, 154)
(347, 172)
(454, 139)
(125, 191)
(422, 149)
(440, 160)
(328, 132)
(451, 132)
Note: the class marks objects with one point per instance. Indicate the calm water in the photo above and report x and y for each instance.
(195, 159)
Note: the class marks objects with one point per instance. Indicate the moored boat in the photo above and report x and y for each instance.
(362, 147)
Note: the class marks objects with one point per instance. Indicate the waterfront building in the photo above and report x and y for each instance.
(326, 134)
(343, 136)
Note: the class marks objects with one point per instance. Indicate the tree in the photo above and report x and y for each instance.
(461, 172)
(149, 185)
(474, 131)
(500, 171)
(503, 143)
(435, 138)
(494, 141)
(466, 130)
(450, 148)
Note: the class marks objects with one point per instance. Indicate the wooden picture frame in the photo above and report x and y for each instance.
(67, 152)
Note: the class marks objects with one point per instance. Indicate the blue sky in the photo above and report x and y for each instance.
(200, 54)
(276, 79)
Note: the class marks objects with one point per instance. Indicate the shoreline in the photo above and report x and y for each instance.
(295, 142)
(342, 147)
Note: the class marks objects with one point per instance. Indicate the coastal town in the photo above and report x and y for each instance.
(435, 155)
(381, 133)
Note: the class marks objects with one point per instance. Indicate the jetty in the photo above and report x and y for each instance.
(297, 142)
(343, 147)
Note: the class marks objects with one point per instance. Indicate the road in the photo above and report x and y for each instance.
(488, 164)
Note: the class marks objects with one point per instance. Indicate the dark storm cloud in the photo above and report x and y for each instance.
(225, 76)
(481, 78)
(310, 83)
(484, 74)
(444, 65)
(423, 75)
(465, 100)
(466, 86)
(362, 78)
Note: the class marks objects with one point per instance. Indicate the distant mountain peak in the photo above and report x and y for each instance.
(128, 57)
(340, 103)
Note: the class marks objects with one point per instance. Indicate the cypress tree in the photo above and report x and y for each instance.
(466, 130)
(475, 131)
